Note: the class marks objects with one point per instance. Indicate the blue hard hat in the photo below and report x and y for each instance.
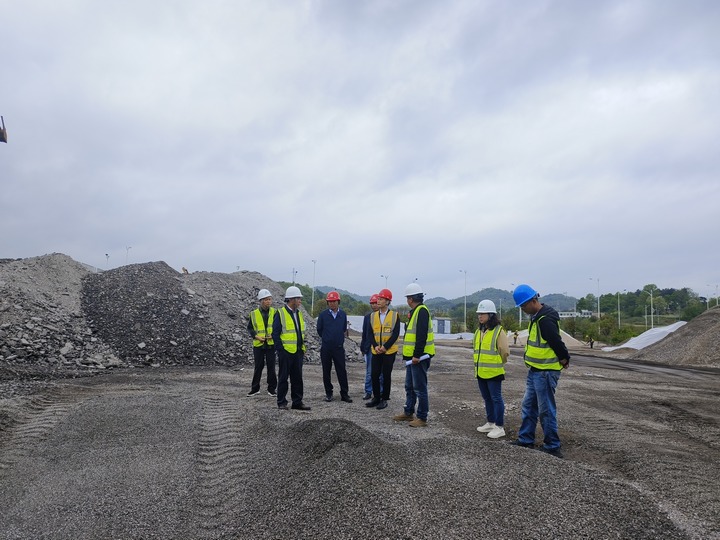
(523, 293)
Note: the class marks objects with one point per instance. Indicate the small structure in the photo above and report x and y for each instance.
(441, 325)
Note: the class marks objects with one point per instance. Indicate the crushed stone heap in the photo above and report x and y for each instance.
(57, 316)
(693, 344)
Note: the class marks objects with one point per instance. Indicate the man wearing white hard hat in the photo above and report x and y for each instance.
(288, 333)
(260, 327)
(418, 349)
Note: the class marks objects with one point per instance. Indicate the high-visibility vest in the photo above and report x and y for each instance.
(409, 339)
(288, 335)
(538, 353)
(383, 330)
(488, 362)
(258, 324)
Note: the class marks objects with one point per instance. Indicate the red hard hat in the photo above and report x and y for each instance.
(373, 299)
(386, 294)
(333, 296)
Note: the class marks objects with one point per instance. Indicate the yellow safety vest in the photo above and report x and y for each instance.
(384, 330)
(258, 324)
(488, 362)
(409, 339)
(538, 353)
(288, 335)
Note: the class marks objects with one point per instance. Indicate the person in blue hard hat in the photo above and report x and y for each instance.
(546, 356)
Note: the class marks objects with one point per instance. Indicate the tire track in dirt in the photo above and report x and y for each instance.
(37, 418)
(222, 467)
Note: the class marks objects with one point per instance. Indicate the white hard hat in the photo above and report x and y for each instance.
(486, 306)
(292, 292)
(413, 289)
(264, 293)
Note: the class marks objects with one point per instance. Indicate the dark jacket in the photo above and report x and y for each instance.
(332, 329)
(366, 334)
(549, 330)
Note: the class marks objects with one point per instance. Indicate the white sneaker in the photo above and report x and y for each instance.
(497, 432)
(486, 428)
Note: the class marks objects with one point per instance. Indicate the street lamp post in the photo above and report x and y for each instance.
(312, 301)
(127, 252)
(598, 296)
(107, 260)
(519, 309)
(652, 319)
(618, 299)
(386, 279)
(465, 310)
(294, 274)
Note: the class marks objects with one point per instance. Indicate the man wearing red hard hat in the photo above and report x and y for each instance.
(332, 328)
(365, 343)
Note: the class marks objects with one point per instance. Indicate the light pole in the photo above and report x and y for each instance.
(465, 310)
(294, 274)
(618, 298)
(652, 319)
(519, 308)
(312, 302)
(598, 296)
(107, 260)
(386, 279)
(127, 252)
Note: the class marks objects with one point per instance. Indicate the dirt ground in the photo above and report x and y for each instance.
(182, 453)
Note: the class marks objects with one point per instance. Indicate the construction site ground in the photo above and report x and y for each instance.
(182, 452)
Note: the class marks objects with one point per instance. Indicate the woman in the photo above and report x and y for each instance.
(490, 352)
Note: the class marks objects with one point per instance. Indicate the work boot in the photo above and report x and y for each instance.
(374, 402)
(367, 396)
(403, 417)
(496, 432)
(418, 422)
(382, 404)
(486, 427)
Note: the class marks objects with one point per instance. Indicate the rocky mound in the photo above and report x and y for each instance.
(693, 344)
(57, 316)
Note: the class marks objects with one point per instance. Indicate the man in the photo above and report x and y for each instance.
(385, 327)
(288, 334)
(365, 346)
(332, 329)
(418, 349)
(546, 356)
(260, 323)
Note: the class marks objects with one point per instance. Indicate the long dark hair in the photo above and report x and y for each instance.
(492, 322)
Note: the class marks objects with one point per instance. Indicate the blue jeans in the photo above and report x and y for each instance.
(368, 376)
(539, 401)
(491, 391)
(416, 388)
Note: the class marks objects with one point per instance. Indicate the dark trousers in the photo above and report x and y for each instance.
(328, 355)
(382, 364)
(264, 357)
(290, 365)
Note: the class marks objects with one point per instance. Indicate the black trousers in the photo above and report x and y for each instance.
(328, 355)
(264, 356)
(382, 363)
(290, 365)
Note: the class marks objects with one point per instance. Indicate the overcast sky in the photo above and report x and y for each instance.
(555, 143)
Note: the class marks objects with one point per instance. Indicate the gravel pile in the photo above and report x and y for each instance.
(58, 318)
(693, 344)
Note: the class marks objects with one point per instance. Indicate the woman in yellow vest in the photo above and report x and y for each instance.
(490, 352)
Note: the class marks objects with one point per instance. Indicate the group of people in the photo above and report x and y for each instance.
(281, 332)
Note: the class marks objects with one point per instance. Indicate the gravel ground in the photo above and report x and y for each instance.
(183, 453)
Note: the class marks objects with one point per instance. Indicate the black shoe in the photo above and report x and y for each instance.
(374, 403)
(346, 399)
(367, 396)
(273, 393)
(553, 452)
(283, 407)
(382, 404)
(253, 392)
(300, 407)
(328, 398)
(523, 444)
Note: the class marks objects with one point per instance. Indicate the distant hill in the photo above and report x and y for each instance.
(360, 298)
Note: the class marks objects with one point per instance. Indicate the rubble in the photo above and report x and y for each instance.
(57, 317)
